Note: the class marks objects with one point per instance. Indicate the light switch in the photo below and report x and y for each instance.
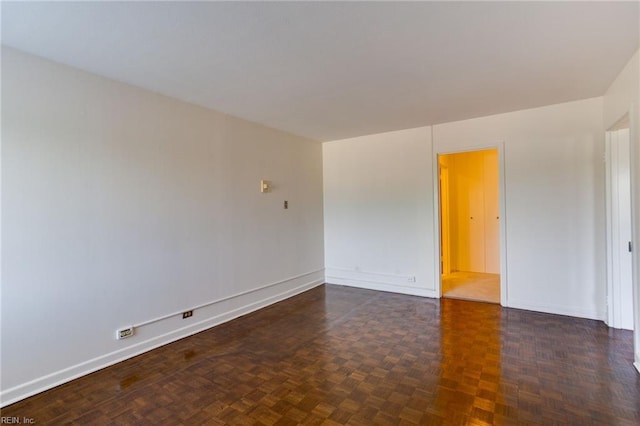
(265, 186)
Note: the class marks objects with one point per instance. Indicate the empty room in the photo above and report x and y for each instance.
(281, 213)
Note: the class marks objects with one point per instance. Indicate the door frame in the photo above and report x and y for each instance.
(614, 253)
(634, 142)
(504, 287)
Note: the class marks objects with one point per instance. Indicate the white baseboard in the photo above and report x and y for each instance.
(276, 293)
(571, 311)
(637, 366)
(375, 281)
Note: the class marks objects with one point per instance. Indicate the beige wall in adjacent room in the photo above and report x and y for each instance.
(474, 210)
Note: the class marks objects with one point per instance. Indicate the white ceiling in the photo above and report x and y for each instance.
(329, 70)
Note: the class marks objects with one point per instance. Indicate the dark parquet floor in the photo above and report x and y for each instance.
(338, 355)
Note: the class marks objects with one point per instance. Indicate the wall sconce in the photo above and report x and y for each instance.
(265, 186)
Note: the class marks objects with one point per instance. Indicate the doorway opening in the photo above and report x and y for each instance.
(619, 226)
(470, 225)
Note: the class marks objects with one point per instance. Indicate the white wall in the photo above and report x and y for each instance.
(554, 201)
(379, 212)
(120, 206)
(623, 96)
(379, 205)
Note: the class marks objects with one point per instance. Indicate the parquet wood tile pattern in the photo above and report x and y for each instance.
(337, 355)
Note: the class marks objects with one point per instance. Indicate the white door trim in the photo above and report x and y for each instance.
(634, 142)
(618, 226)
(500, 146)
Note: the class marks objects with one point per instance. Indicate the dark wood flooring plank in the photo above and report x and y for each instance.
(338, 355)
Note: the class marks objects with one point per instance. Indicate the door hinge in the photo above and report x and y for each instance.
(630, 247)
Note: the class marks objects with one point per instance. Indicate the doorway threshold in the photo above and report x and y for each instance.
(475, 286)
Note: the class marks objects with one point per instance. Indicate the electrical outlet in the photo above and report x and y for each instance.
(411, 279)
(286, 204)
(187, 314)
(123, 333)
